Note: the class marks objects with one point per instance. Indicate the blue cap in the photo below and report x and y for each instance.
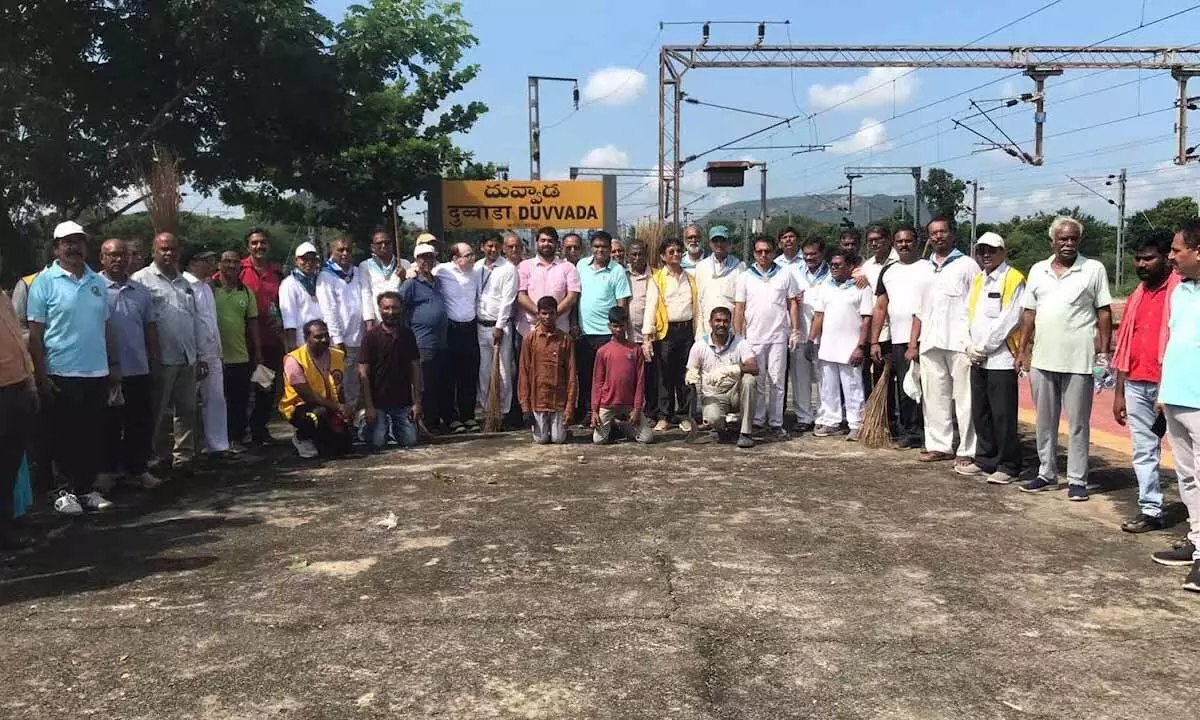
(718, 231)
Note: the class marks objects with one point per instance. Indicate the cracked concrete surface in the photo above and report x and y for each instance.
(805, 579)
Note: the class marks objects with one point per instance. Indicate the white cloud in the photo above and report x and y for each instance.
(614, 86)
(871, 135)
(879, 87)
(608, 156)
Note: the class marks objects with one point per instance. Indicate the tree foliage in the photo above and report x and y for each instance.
(943, 193)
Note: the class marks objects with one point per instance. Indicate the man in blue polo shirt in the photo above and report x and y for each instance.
(1179, 394)
(603, 285)
(70, 344)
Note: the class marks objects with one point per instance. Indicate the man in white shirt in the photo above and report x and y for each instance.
(513, 251)
(497, 295)
(882, 254)
(838, 339)
(809, 268)
(721, 367)
(994, 310)
(213, 413)
(717, 275)
(1067, 305)
(298, 295)
(692, 236)
(898, 295)
(639, 280)
(940, 336)
(767, 314)
(459, 286)
(339, 293)
(384, 271)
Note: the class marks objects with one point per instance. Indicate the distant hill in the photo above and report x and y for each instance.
(821, 207)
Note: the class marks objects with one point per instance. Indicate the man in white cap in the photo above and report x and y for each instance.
(75, 364)
(382, 272)
(425, 315)
(994, 311)
(717, 276)
(339, 293)
(298, 295)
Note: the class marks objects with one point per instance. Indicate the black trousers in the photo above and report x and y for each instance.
(129, 429)
(78, 409)
(670, 357)
(431, 388)
(994, 413)
(314, 422)
(16, 423)
(237, 399)
(264, 399)
(515, 417)
(909, 428)
(585, 365)
(460, 377)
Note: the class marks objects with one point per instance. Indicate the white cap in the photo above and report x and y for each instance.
(306, 248)
(426, 239)
(423, 249)
(990, 238)
(67, 229)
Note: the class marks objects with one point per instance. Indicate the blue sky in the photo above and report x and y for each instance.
(610, 42)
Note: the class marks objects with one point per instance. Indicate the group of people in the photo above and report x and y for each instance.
(180, 357)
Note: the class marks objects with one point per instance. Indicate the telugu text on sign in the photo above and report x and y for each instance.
(500, 205)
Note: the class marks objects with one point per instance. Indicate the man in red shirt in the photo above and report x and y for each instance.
(1141, 341)
(618, 385)
(262, 277)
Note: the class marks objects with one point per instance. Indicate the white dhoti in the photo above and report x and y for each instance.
(946, 395)
(214, 414)
(486, 348)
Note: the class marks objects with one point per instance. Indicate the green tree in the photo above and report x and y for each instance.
(1169, 214)
(942, 193)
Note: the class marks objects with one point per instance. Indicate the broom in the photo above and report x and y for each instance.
(162, 190)
(493, 415)
(875, 432)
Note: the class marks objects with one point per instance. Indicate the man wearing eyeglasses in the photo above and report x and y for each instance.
(380, 273)
(459, 284)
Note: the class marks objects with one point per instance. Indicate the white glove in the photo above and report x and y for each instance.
(975, 355)
(692, 377)
(795, 340)
(732, 372)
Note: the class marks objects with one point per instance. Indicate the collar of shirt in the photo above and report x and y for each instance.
(726, 266)
(892, 257)
(122, 284)
(955, 254)
(385, 270)
(724, 348)
(781, 259)
(56, 270)
(765, 274)
(591, 265)
(1076, 266)
(821, 273)
(192, 279)
(832, 282)
(998, 274)
(688, 262)
(338, 271)
(644, 275)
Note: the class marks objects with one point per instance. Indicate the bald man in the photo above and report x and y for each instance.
(459, 284)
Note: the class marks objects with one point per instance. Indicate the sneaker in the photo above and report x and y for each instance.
(1039, 484)
(1177, 556)
(745, 442)
(306, 449)
(967, 468)
(1000, 478)
(758, 429)
(826, 430)
(777, 433)
(1143, 523)
(1077, 493)
(685, 425)
(662, 426)
(473, 426)
(805, 427)
(457, 427)
(853, 435)
(1192, 581)
(95, 501)
(148, 481)
(106, 481)
(67, 504)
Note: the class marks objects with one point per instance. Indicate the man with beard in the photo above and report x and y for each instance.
(262, 278)
(1066, 301)
(809, 268)
(717, 276)
(546, 275)
(721, 366)
(312, 398)
(381, 272)
(940, 335)
(1141, 342)
(497, 298)
(672, 304)
(882, 254)
(425, 314)
(75, 364)
(389, 370)
(298, 294)
(994, 311)
(897, 298)
(339, 293)
(692, 236)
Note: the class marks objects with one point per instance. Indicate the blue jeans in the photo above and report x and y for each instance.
(1147, 448)
(394, 422)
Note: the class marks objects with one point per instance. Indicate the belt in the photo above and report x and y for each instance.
(680, 323)
(462, 323)
(487, 323)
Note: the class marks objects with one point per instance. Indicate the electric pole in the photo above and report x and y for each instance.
(974, 213)
(1120, 264)
(535, 126)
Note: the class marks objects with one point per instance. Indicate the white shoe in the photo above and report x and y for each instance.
(148, 481)
(106, 481)
(685, 425)
(304, 448)
(67, 504)
(95, 501)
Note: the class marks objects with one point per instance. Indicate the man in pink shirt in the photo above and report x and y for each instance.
(544, 275)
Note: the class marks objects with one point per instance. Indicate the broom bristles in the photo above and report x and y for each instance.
(875, 431)
(162, 191)
(492, 415)
(651, 233)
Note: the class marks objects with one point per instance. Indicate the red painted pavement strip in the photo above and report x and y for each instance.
(1106, 433)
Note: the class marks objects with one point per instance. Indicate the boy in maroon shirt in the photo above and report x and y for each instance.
(618, 385)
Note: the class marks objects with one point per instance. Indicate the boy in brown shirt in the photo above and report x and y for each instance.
(547, 388)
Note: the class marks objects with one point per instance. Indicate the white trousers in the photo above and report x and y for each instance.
(946, 395)
(1183, 432)
(214, 415)
(803, 374)
(841, 381)
(486, 348)
(768, 385)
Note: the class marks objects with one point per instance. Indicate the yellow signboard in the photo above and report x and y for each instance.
(500, 205)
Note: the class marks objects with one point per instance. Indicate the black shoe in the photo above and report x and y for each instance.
(1178, 556)
(1143, 523)
(805, 427)
(709, 438)
(1192, 581)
